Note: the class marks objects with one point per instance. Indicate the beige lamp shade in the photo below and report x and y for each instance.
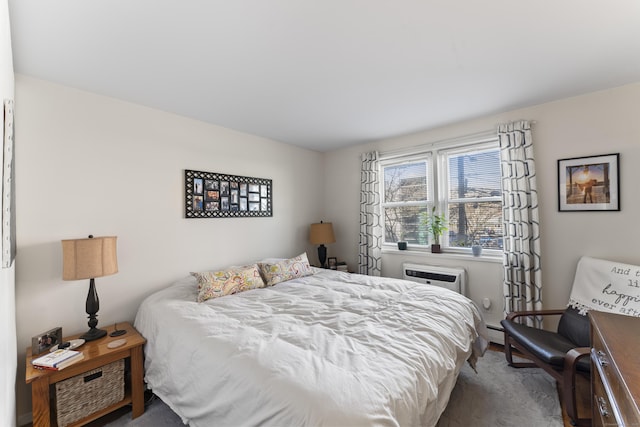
(321, 233)
(89, 258)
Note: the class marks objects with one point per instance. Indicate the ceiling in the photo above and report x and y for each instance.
(331, 73)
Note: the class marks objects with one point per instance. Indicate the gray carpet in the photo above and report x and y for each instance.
(496, 396)
(499, 395)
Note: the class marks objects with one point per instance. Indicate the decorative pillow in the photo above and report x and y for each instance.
(285, 270)
(214, 284)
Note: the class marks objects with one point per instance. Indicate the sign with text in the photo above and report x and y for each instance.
(606, 286)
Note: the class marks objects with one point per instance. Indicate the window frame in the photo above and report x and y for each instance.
(427, 158)
(438, 194)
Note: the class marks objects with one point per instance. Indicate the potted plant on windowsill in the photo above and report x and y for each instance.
(402, 243)
(476, 248)
(436, 225)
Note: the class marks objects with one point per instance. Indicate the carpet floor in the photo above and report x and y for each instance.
(499, 395)
(496, 396)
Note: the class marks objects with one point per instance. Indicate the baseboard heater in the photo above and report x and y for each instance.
(445, 277)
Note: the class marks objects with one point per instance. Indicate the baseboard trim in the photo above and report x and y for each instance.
(496, 334)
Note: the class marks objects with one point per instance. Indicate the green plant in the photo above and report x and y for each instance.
(436, 224)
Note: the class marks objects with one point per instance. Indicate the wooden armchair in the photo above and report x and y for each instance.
(562, 354)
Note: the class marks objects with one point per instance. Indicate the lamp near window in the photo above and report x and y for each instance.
(87, 259)
(320, 234)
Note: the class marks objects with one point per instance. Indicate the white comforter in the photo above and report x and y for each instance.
(331, 349)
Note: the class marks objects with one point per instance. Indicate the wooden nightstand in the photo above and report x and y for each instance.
(96, 355)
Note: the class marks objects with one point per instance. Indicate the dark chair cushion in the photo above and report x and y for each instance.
(575, 327)
(549, 347)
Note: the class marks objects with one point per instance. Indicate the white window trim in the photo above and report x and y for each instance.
(398, 161)
(404, 160)
(463, 141)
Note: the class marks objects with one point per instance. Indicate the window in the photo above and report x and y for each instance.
(464, 182)
(406, 199)
(474, 197)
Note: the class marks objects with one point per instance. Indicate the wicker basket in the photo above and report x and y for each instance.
(84, 394)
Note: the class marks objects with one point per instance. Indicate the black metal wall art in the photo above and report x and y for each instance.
(216, 195)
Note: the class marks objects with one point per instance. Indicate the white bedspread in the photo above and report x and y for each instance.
(332, 349)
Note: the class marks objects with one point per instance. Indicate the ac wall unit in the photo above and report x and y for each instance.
(445, 277)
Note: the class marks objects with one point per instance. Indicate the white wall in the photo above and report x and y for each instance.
(8, 361)
(88, 164)
(597, 123)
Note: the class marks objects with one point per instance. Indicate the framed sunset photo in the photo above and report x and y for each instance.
(589, 183)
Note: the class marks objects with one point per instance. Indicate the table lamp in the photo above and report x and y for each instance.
(320, 234)
(88, 259)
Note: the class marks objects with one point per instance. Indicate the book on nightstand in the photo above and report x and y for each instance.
(58, 359)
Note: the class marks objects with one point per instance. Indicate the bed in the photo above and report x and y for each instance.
(325, 349)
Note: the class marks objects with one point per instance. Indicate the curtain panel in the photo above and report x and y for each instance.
(521, 225)
(370, 252)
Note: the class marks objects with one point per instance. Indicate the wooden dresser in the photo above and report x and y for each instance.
(615, 369)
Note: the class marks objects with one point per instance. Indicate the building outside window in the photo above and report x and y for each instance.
(463, 181)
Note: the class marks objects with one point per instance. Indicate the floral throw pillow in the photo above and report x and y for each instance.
(285, 270)
(214, 284)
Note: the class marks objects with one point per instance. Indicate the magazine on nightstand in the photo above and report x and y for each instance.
(58, 359)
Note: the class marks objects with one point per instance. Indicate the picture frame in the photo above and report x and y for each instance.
(332, 262)
(589, 183)
(44, 341)
(217, 195)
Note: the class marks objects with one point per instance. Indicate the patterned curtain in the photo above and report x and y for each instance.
(370, 257)
(521, 261)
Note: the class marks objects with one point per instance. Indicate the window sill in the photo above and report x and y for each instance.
(492, 257)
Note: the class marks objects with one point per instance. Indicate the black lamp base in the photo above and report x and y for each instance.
(92, 307)
(94, 334)
(322, 255)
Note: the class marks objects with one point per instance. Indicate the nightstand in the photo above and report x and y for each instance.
(96, 355)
